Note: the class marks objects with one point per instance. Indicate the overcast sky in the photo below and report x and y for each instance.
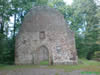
(68, 1)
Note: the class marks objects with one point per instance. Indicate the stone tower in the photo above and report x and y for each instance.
(44, 35)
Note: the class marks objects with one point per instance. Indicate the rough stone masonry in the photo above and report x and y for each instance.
(45, 36)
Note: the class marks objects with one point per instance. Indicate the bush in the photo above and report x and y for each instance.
(97, 56)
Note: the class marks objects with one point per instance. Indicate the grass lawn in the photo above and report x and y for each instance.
(13, 67)
(86, 65)
(44, 63)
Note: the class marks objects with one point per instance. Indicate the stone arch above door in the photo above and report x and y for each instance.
(41, 54)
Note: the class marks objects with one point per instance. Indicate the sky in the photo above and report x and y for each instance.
(69, 2)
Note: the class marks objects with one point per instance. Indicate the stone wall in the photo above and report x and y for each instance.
(61, 49)
(45, 27)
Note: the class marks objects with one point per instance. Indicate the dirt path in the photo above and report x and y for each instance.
(41, 71)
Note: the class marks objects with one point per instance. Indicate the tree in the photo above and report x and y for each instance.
(41, 2)
(59, 5)
(5, 14)
(84, 20)
(8, 8)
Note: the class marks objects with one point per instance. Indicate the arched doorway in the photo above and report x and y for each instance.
(43, 55)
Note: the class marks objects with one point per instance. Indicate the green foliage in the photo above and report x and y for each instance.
(59, 5)
(6, 52)
(83, 23)
(98, 27)
(41, 2)
(97, 54)
(1, 36)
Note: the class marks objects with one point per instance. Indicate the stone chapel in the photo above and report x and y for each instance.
(45, 36)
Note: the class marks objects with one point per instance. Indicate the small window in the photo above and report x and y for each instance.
(58, 49)
(42, 35)
(24, 41)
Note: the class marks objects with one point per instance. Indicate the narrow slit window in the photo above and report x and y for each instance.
(42, 35)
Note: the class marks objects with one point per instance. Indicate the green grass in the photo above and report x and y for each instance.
(13, 67)
(86, 65)
(44, 63)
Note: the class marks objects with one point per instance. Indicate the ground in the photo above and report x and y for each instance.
(39, 71)
(84, 68)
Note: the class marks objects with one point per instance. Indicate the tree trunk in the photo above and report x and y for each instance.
(14, 30)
